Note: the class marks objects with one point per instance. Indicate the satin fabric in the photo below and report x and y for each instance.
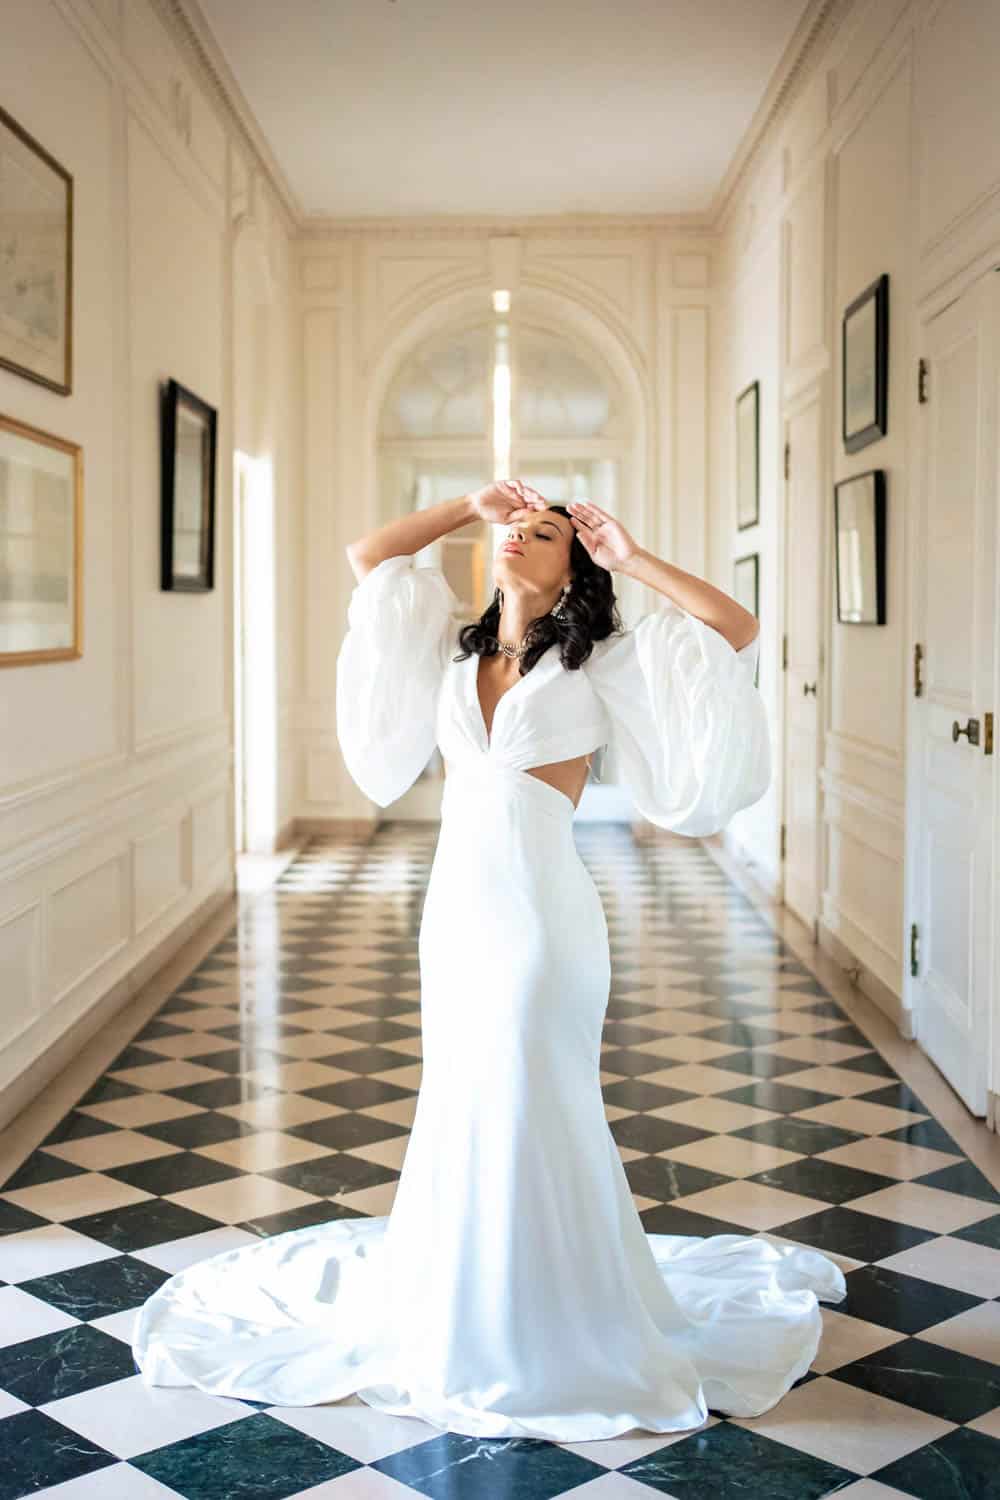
(513, 1291)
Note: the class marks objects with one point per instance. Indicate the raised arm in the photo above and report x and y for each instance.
(612, 547)
(407, 535)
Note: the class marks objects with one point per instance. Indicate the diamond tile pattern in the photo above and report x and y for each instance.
(275, 1088)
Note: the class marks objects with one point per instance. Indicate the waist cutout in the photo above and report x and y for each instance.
(485, 780)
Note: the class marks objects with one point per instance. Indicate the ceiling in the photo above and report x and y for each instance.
(394, 108)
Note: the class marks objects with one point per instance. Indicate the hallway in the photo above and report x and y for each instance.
(274, 1087)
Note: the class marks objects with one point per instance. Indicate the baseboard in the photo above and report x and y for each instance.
(336, 827)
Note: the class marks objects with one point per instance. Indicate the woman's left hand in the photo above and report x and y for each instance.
(606, 539)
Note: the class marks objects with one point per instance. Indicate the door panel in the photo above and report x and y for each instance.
(804, 552)
(953, 791)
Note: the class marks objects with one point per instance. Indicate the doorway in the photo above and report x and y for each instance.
(255, 706)
(952, 801)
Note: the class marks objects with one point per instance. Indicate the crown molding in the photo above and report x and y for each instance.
(458, 226)
(192, 33)
(818, 25)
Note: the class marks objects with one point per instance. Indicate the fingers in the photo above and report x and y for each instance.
(586, 510)
(530, 498)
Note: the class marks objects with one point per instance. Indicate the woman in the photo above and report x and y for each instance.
(512, 1291)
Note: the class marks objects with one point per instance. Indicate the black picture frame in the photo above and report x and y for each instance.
(864, 367)
(748, 456)
(188, 446)
(859, 530)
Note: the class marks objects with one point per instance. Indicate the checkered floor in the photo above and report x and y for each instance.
(275, 1088)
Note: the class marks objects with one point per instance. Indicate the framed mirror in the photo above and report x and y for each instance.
(865, 366)
(187, 501)
(859, 527)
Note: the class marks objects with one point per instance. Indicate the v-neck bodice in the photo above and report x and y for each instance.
(548, 714)
(518, 679)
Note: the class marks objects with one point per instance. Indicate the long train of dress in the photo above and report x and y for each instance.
(512, 1291)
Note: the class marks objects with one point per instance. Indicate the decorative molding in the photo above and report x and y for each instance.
(816, 29)
(84, 1050)
(58, 816)
(193, 35)
(452, 227)
(873, 805)
(819, 24)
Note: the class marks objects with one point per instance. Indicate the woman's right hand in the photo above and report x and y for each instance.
(497, 501)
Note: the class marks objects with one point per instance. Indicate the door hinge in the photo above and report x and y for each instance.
(788, 459)
(923, 378)
(988, 734)
(914, 958)
(918, 681)
(784, 653)
(783, 841)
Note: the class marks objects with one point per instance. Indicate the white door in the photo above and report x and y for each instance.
(951, 760)
(802, 653)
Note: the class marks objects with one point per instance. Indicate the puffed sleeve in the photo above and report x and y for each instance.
(389, 670)
(689, 737)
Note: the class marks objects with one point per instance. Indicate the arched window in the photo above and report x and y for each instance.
(489, 397)
(495, 396)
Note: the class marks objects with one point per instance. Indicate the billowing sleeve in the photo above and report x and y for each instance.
(389, 671)
(689, 737)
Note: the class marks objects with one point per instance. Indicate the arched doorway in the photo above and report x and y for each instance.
(486, 395)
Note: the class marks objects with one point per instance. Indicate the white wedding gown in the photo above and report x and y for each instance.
(513, 1291)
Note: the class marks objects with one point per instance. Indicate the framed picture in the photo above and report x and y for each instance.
(187, 503)
(41, 546)
(865, 366)
(36, 260)
(746, 588)
(748, 456)
(859, 526)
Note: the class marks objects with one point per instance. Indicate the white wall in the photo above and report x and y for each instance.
(889, 161)
(115, 768)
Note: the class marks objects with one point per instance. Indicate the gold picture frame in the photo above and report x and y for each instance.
(41, 546)
(36, 268)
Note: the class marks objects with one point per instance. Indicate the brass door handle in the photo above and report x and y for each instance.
(971, 730)
(809, 687)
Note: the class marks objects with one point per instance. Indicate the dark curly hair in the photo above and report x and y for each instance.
(589, 614)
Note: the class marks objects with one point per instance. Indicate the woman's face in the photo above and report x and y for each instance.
(537, 558)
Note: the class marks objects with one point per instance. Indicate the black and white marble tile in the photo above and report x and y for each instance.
(275, 1088)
